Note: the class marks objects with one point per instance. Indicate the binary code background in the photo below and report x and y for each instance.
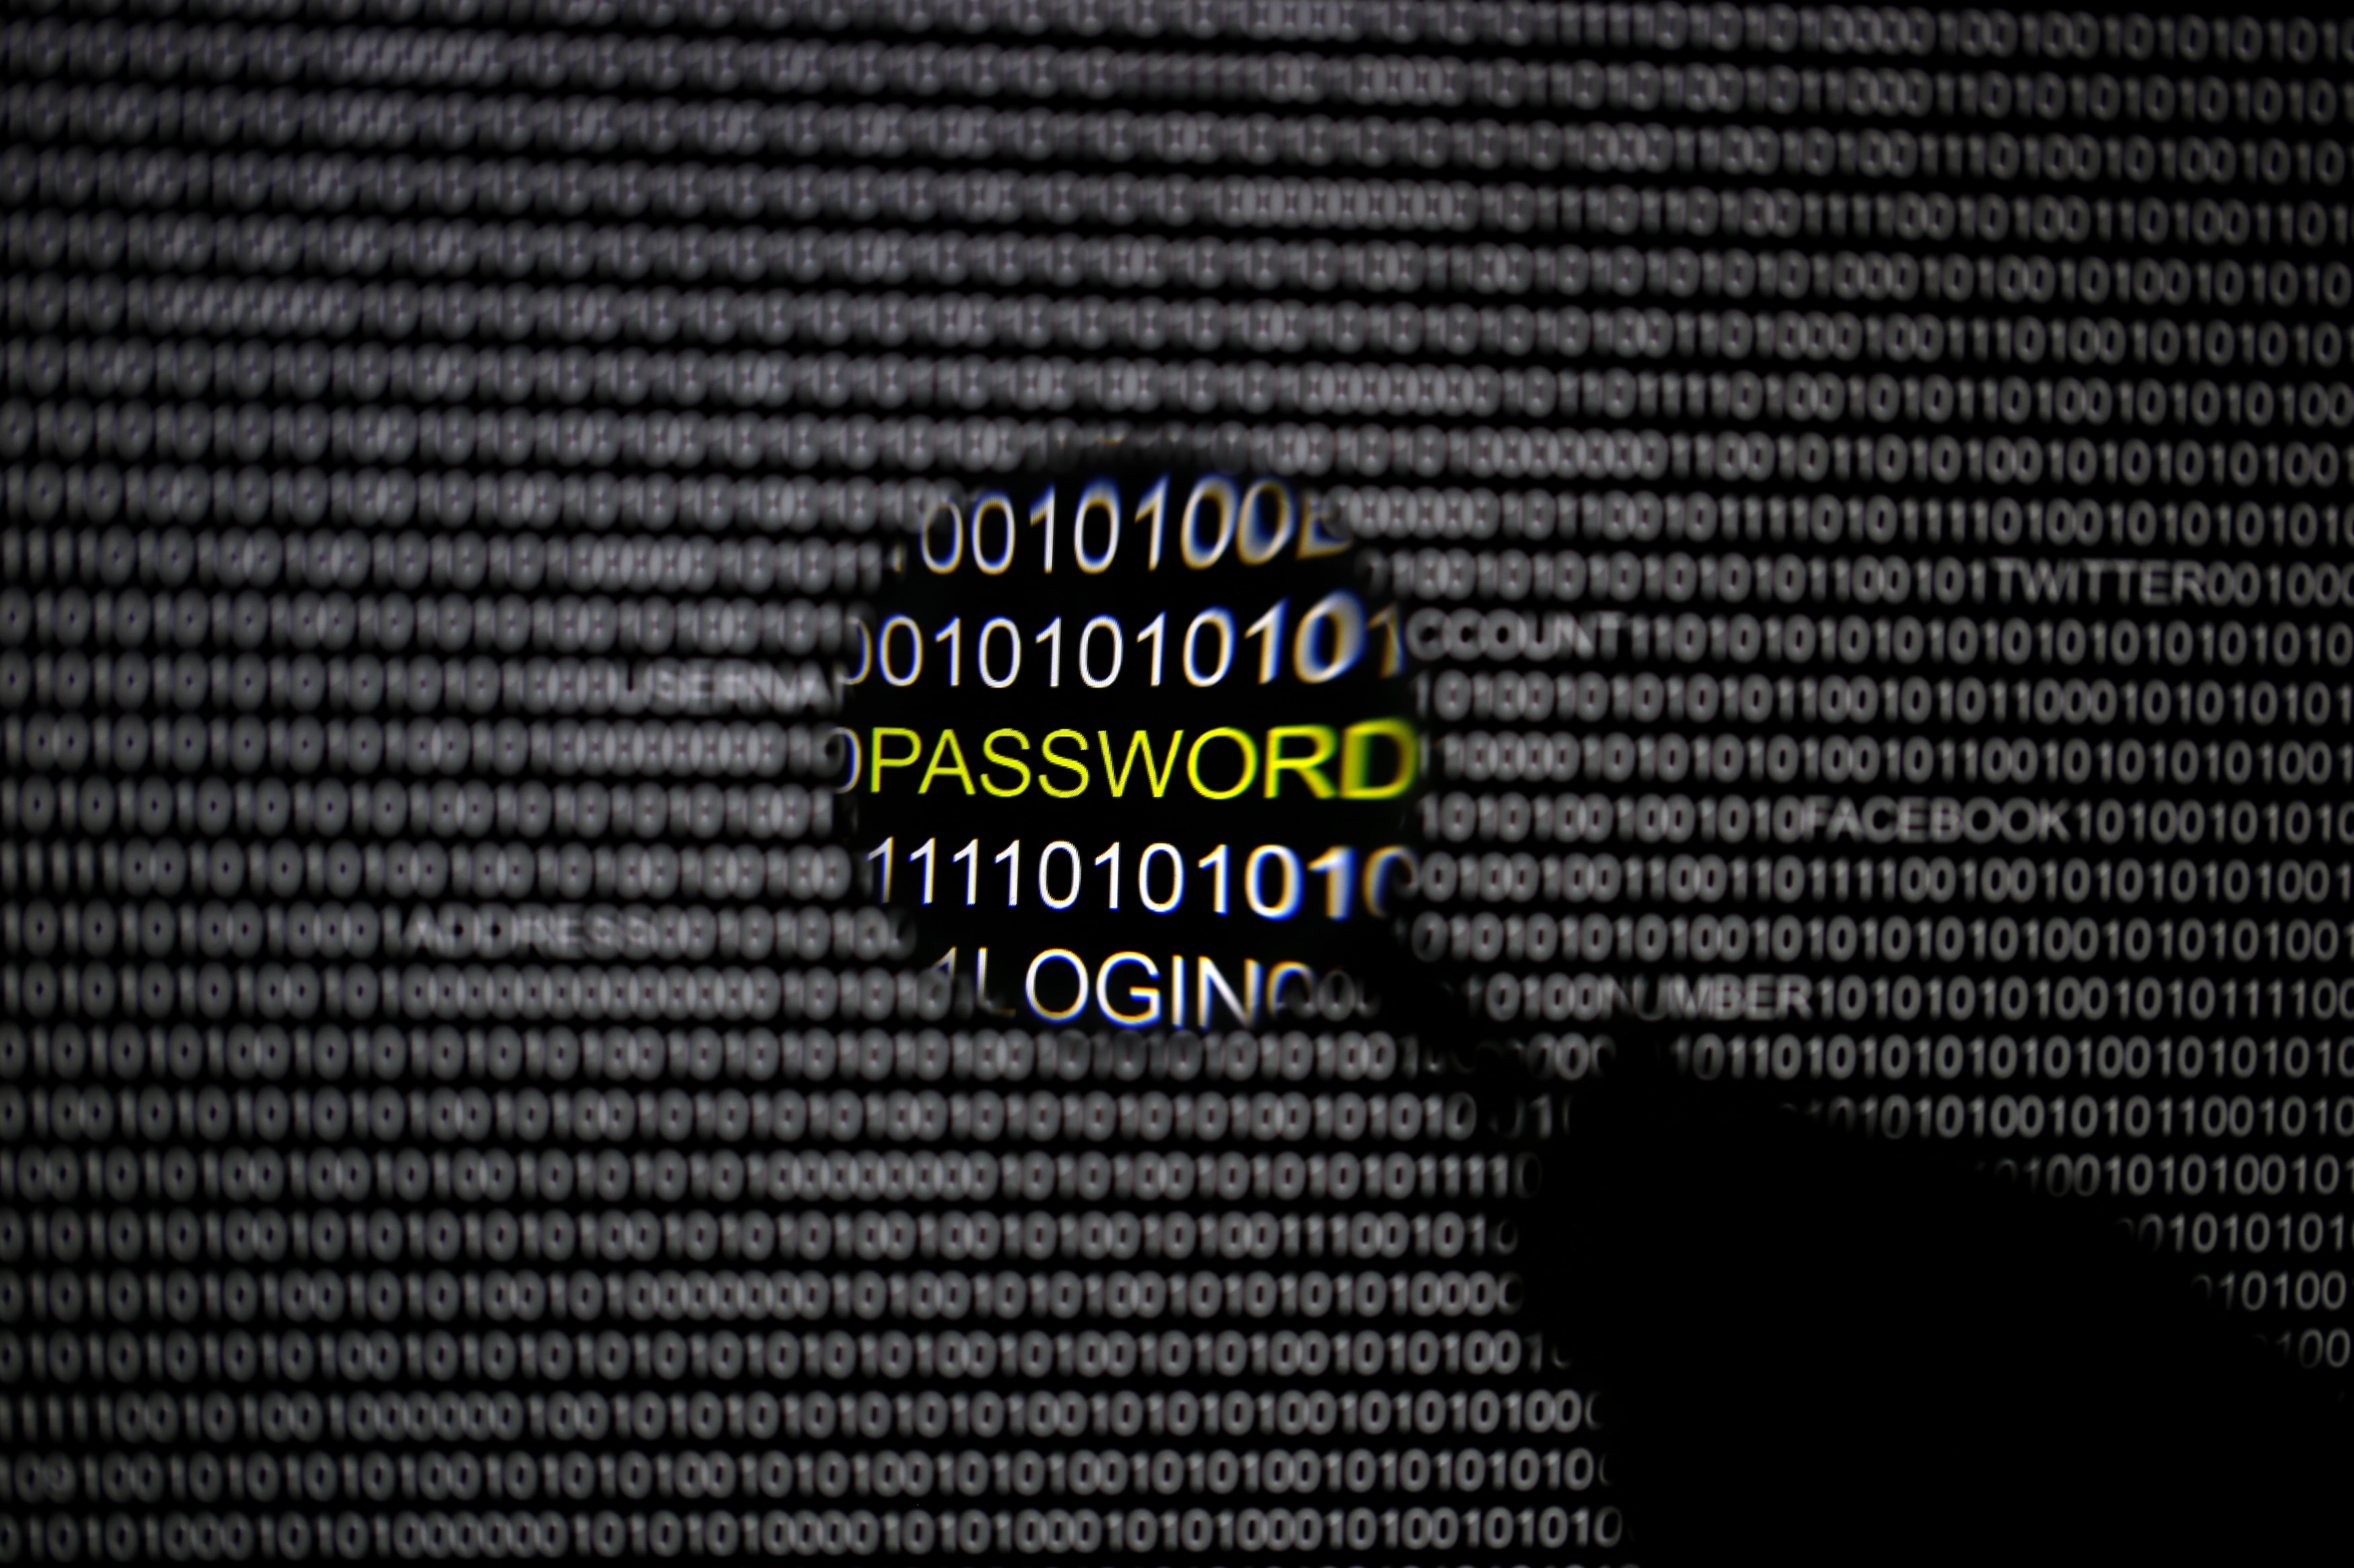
(1865, 490)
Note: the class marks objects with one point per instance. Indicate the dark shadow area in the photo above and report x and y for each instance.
(1823, 1348)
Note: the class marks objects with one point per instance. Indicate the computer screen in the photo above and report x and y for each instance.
(1328, 781)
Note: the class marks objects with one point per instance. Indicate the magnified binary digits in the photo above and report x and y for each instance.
(1408, 782)
(1219, 613)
